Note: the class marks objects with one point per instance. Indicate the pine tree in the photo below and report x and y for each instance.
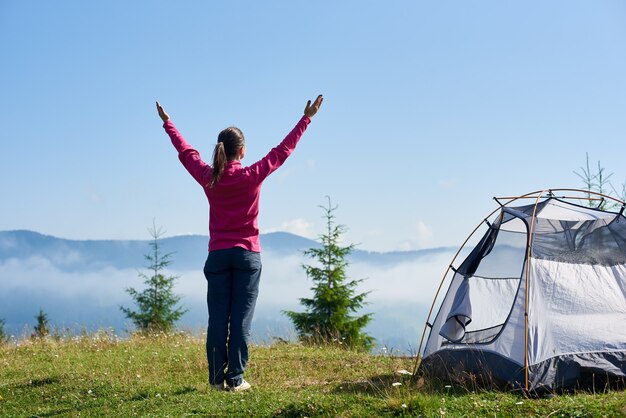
(329, 313)
(599, 182)
(4, 337)
(41, 329)
(157, 311)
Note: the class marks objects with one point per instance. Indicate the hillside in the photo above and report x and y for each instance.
(166, 376)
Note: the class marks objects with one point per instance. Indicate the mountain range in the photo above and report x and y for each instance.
(82, 283)
(189, 250)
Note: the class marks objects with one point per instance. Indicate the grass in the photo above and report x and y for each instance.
(165, 375)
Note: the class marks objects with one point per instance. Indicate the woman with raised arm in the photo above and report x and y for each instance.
(233, 265)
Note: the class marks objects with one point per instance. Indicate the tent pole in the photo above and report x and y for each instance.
(556, 197)
(533, 195)
(589, 192)
(528, 247)
(601, 203)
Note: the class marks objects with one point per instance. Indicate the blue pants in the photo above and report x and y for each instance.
(233, 286)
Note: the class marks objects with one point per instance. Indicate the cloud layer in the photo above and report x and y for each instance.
(399, 296)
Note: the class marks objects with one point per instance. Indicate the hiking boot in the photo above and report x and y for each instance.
(242, 386)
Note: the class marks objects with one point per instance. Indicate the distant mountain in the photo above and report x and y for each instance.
(82, 283)
(189, 250)
(86, 255)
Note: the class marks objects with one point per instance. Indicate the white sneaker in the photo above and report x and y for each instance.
(243, 386)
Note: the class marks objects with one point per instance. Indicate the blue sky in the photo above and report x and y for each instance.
(431, 108)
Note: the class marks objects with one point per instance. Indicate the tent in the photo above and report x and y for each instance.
(540, 302)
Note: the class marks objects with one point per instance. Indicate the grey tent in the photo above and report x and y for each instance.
(540, 301)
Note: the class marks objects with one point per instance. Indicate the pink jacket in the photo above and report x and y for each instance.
(234, 200)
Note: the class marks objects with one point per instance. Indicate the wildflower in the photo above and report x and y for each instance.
(519, 403)
(404, 372)
(396, 384)
(404, 406)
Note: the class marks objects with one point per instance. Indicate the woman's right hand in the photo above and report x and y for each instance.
(164, 116)
(309, 110)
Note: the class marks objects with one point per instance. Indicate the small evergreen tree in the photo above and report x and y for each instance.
(157, 309)
(41, 329)
(328, 316)
(4, 337)
(598, 181)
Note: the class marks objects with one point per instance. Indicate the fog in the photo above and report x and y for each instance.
(400, 295)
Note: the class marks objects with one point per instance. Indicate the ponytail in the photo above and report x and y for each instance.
(219, 161)
(229, 142)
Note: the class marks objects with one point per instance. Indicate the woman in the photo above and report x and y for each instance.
(233, 266)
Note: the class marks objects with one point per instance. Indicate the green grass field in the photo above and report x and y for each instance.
(101, 375)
